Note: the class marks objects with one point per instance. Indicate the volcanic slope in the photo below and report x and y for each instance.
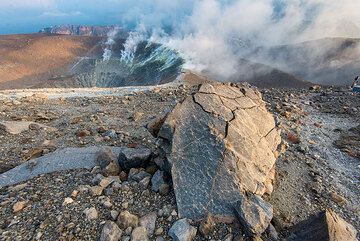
(32, 60)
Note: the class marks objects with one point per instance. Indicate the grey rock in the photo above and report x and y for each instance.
(325, 226)
(157, 180)
(91, 213)
(110, 232)
(134, 158)
(139, 234)
(136, 176)
(111, 133)
(104, 157)
(181, 230)
(271, 233)
(149, 222)
(114, 214)
(254, 214)
(220, 143)
(144, 183)
(17, 127)
(60, 160)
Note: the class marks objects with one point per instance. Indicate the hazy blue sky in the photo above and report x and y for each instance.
(26, 16)
(252, 17)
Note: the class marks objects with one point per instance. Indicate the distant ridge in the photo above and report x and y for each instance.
(84, 30)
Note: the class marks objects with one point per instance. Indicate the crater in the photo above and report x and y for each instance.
(127, 63)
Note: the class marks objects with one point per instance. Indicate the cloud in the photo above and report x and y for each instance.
(214, 34)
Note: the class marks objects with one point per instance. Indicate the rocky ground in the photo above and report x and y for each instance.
(313, 174)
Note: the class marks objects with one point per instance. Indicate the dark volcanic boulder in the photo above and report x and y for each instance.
(325, 226)
(134, 158)
(220, 143)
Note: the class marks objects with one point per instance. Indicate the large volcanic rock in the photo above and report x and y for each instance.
(221, 146)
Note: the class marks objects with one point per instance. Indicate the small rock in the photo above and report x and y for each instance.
(19, 206)
(96, 190)
(125, 205)
(114, 214)
(68, 201)
(164, 189)
(181, 230)
(110, 232)
(17, 188)
(107, 204)
(105, 157)
(104, 183)
(110, 133)
(254, 214)
(144, 183)
(139, 234)
(207, 226)
(338, 198)
(112, 169)
(292, 137)
(228, 237)
(91, 213)
(155, 125)
(272, 233)
(128, 231)
(157, 180)
(83, 133)
(74, 193)
(123, 176)
(159, 231)
(133, 158)
(148, 222)
(137, 176)
(127, 219)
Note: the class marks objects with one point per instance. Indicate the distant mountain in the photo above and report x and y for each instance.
(329, 61)
(81, 30)
(262, 76)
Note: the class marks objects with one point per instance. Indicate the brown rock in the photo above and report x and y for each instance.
(127, 219)
(338, 198)
(139, 234)
(96, 190)
(19, 206)
(154, 126)
(207, 226)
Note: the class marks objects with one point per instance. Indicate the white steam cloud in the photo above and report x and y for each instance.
(212, 34)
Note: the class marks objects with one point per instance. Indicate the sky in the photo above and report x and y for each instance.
(29, 16)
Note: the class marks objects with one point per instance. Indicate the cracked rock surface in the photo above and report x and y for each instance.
(220, 143)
